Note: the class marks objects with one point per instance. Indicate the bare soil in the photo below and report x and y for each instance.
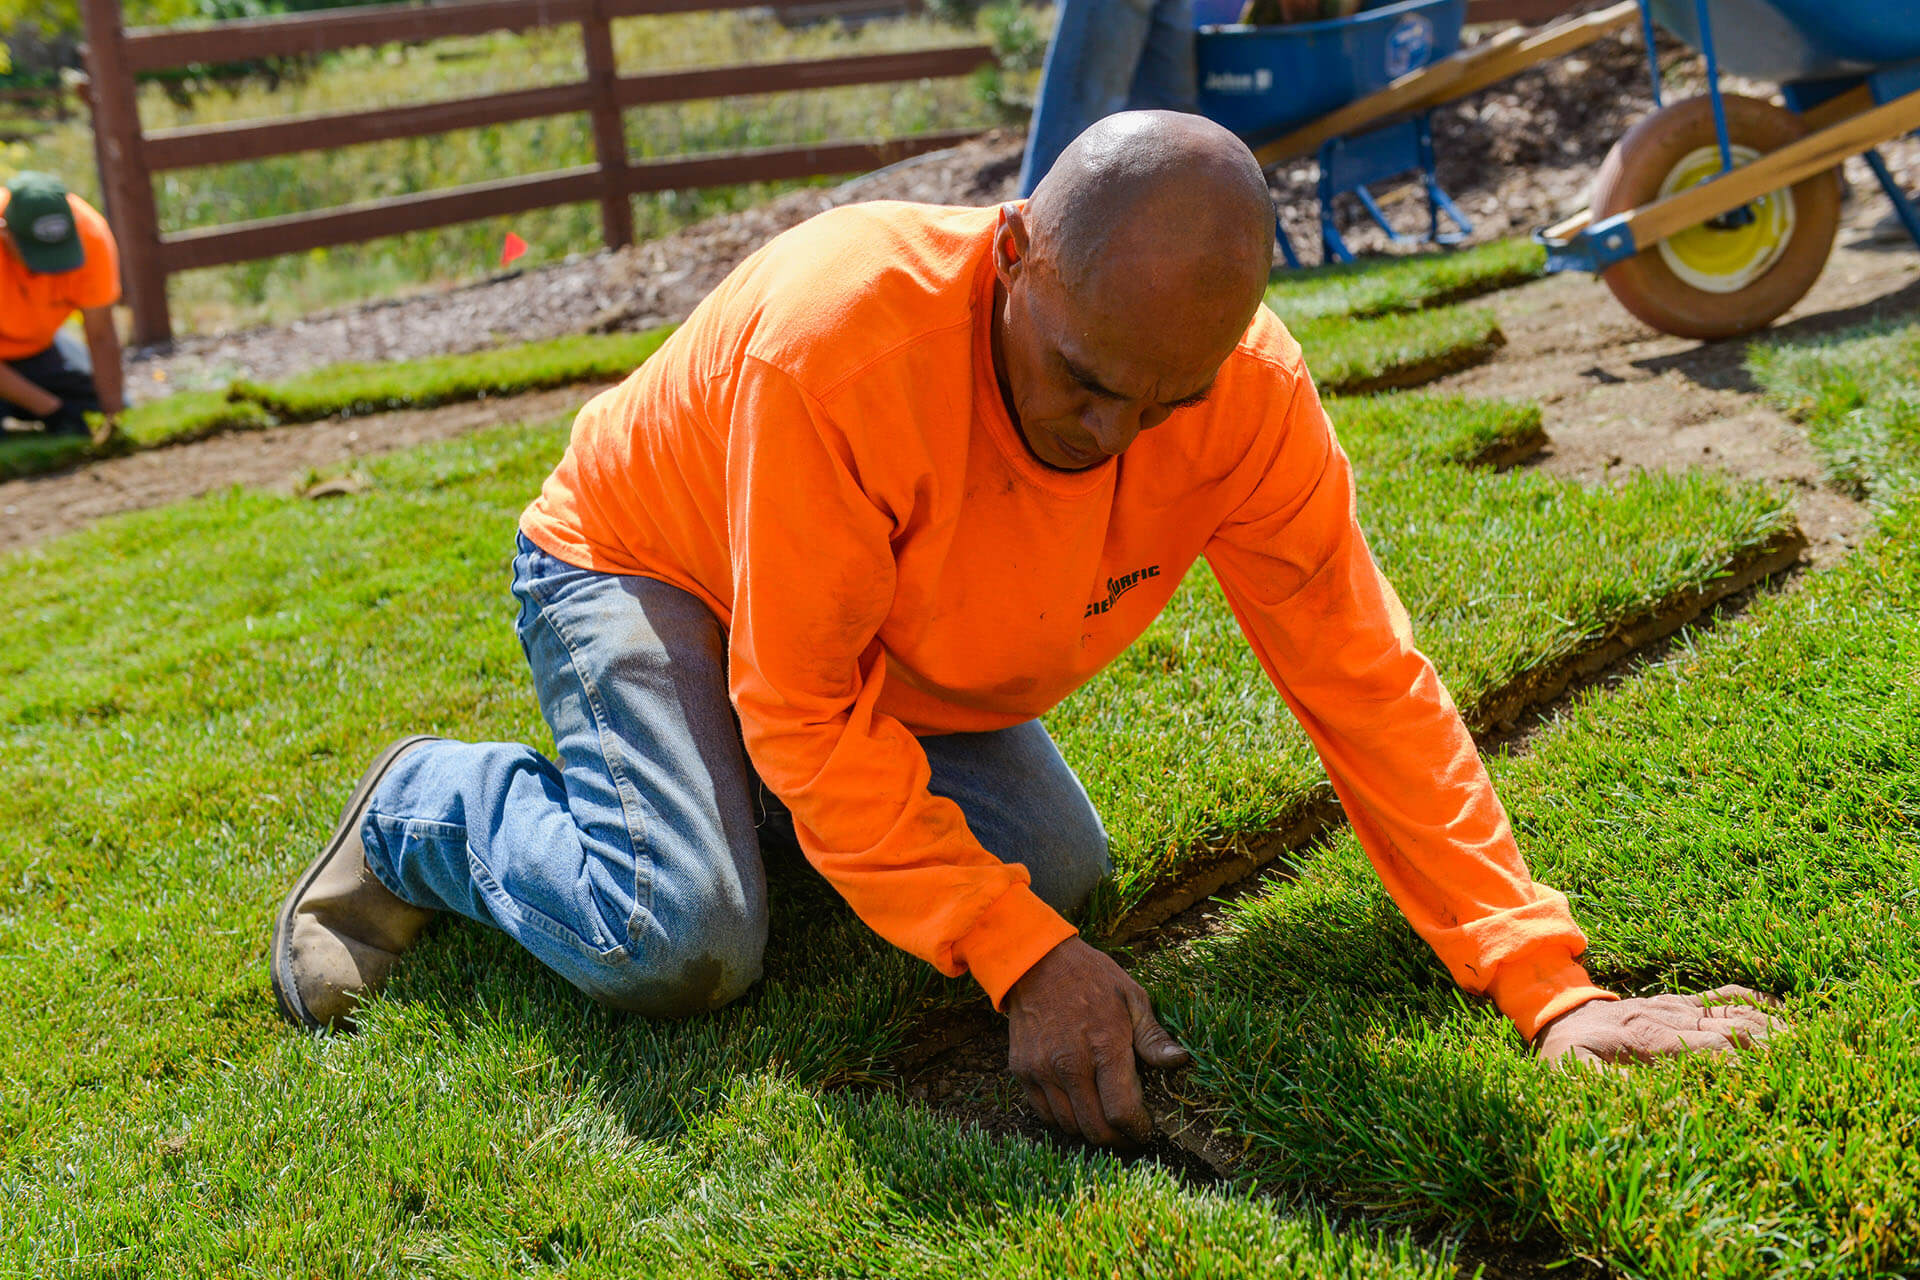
(1617, 396)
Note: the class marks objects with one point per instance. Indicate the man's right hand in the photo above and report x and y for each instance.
(1075, 1023)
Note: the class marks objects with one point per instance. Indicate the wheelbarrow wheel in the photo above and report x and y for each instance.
(1708, 281)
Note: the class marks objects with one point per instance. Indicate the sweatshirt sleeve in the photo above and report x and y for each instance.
(813, 579)
(1337, 644)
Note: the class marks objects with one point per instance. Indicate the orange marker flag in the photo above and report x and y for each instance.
(512, 249)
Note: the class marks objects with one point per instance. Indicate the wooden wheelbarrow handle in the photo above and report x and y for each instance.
(1509, 53)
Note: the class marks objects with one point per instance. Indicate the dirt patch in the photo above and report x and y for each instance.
(1502, 455)
(1617, 397)
(39, 507)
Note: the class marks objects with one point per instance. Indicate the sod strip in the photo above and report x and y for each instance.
(345, 390)
(351, 389)
(1353, 357)
(1856, 395)
(1745, 812)
(1360, 290)
(1517, 582)
(188, 698)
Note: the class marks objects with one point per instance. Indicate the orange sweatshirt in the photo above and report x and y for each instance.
(822, 455)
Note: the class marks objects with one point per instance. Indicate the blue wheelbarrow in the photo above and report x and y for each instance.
(1713, 216)
(1265, 82)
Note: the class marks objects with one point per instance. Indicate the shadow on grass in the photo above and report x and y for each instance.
(1722, 366)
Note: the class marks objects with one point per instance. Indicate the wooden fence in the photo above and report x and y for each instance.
(129, 156)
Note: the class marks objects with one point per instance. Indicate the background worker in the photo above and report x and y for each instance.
(906, 479)
(57, 256)
(1107, 56)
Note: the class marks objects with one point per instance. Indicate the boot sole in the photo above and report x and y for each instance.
(348, 825)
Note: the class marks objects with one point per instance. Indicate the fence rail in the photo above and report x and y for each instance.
(128, 156)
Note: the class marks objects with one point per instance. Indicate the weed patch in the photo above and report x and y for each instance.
(1856, 395)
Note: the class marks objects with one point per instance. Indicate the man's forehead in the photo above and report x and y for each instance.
(1134, 374)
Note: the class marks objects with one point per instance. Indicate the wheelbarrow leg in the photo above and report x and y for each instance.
(1438, 201)
(1379, 215)
(1902, 206)
(1285, 242)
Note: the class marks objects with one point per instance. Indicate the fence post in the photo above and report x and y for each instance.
(609, 137)
(123, 170)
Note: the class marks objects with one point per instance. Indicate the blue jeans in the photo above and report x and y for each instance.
(632, 867)
(1108, 56)
(64, 369)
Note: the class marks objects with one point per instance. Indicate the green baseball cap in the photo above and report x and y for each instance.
(41, 222)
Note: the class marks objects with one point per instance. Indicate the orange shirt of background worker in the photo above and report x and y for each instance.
(834, 472)
(33, 307)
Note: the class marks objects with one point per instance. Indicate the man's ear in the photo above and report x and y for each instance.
(1010, 244)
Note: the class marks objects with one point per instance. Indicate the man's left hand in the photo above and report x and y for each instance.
(106, 429)
(1608, 1032)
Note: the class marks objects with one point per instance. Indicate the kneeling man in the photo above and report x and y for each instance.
(905, 480)
(57, 256)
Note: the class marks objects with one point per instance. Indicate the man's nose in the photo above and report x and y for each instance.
(1116, 424)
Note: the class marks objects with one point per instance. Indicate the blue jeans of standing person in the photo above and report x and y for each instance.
(1108, 56)
(632, 866)
(64, 369)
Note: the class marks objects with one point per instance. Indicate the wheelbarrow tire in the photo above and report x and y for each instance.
(1648, 285)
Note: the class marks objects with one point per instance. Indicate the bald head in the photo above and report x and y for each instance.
(1159, 189)
(1126, 282)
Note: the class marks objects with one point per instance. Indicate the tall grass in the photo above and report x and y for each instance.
(297, 284)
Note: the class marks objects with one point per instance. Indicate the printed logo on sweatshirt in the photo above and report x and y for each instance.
(1117, 587)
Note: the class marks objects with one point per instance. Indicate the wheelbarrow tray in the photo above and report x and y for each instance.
(1262, 82)
(1788, 40)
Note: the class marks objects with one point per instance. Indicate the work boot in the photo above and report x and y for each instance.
(340, 930)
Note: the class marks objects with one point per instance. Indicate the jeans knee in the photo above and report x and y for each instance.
(695, 972)
(1066, 872)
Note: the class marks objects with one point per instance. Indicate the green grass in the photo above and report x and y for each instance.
(1504, 574)
(348, 390)
(1745, 812)
(188, 692)
(1856, 394)
(1354, 356)
(1375, 287)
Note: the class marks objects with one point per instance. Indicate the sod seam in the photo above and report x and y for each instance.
(1317, 814)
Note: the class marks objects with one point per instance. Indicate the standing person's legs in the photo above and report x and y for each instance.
(1091, 64)
(1167, 78)
(631, 868)
(64, 369)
